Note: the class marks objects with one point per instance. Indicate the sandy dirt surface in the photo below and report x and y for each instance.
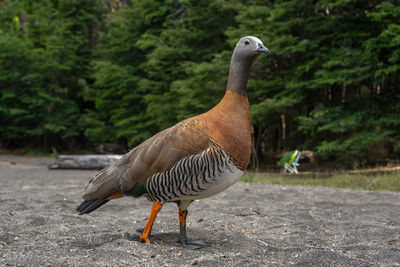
(246, 225)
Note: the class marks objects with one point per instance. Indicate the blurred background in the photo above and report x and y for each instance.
(78, 74)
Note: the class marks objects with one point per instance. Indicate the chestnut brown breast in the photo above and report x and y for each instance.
(229, 124)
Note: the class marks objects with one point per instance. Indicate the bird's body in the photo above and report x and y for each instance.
(195, 177)
(194, 159)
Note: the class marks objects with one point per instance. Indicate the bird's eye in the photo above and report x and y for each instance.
(246, 42)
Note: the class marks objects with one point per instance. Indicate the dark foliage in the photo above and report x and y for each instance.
(87, 72)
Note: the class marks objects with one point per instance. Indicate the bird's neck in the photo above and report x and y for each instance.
(239, 74)
(230, 119)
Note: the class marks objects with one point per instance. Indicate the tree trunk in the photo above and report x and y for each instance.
(87, 162)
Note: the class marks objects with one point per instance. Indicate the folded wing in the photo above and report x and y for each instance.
(157, 154)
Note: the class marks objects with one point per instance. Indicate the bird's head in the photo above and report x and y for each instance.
(246, 51)
(250, 47)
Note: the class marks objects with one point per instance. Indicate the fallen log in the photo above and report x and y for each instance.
(85, 162)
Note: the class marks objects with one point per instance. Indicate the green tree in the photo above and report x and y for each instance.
(120, 71)
(152, 47)
(21, 101)
(56, 39)
(120, 107)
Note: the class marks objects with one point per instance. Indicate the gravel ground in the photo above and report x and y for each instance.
(246, 225)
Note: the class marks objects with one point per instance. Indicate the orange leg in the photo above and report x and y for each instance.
(182, 217)
(147, 229)
(182, 226)
(194, 244)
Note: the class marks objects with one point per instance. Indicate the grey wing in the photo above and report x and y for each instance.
(157, 154)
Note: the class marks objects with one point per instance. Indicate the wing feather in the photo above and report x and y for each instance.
(156, 154)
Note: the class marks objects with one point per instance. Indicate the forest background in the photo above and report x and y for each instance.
(76, 74)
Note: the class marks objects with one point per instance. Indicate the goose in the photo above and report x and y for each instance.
(194, 159)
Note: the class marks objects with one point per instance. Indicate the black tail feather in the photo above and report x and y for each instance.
(82, 204)
(88, 206)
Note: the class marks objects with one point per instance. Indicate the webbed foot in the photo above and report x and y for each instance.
(194, 244)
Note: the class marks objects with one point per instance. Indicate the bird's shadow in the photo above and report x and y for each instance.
(171, 239)
(165, 239)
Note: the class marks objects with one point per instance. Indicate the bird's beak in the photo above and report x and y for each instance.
(262, 49)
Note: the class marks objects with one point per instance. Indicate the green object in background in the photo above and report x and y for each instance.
(290, 162)
(289, 158)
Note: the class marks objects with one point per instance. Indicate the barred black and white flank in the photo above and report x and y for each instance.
(194, 177)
